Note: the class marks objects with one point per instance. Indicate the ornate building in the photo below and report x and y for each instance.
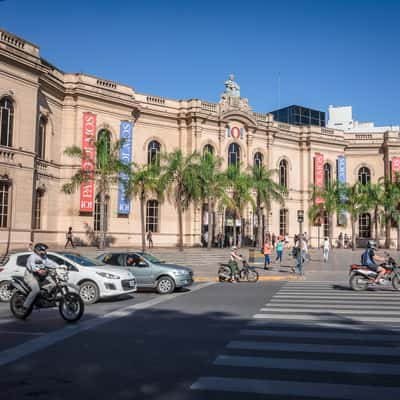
(43, 110)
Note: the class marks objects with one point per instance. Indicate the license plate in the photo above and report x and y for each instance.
(131, 283)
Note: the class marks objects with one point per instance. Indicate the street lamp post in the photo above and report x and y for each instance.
(300, 220)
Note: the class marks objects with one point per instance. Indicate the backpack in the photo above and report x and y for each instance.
(295, 251)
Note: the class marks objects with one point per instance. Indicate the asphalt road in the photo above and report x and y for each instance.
(270, 340)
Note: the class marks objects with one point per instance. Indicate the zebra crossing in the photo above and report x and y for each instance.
(314, 339)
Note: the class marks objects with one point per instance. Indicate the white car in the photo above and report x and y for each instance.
(95, 279)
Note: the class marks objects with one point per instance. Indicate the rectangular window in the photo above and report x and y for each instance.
(38, 211)
(152, 216)
(283, 228)
(4, 189)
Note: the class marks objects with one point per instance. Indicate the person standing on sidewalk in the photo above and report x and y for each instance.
(279, 251)
(326, 250)
(267, 254)
(69, 238)
(150, 238)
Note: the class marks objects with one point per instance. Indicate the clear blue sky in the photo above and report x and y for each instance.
(326, 52)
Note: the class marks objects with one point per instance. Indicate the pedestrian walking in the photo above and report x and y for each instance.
(150, 238)
(287, 241)
(326, 250)
(341, 240)
(267, 254)
(301, 255)
(279, 251)
(346, 241)
(273, 240)
(69, 238)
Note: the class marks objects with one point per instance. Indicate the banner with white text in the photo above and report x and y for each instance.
(125, 155)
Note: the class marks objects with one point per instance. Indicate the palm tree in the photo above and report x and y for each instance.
(105, 172)
(331, 196)
(373, 197)
(181, 180)
(213, 184)
(267, 191)
(390, 204)
(240, 184)
(143, 181)
(355, 205)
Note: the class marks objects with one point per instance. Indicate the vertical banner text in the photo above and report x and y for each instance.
(125, 155)
(319, 175)
(395, 167)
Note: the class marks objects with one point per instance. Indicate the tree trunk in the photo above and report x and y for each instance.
(387, 233)
(234, 229)
(180, 222)
(210, 223)
(142, 221)
(376, 226)
(267, 219)
(259, 228)
(330, 230)
(398, 236)
(353, 234)
(102, 239)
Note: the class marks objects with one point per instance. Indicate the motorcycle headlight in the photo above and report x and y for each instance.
(108, 275)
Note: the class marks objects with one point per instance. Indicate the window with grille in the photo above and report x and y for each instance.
(326, 224)
(96, 215)
(258, 160)
(6, 121)
(38, 210)
(41, 144)
(153, 152)
(152, 216)
(327, 175)
(234, 155)
(364, 226)
(283, 178)
(208, 148)
(4, 197)
(364, 175)
(283, 221)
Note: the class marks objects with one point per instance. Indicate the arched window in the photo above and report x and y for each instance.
(364, 225)
(364, 175)
(6, 121)
(37, 220)
(283, 221)
(96, 215)
(153, 152)
(258, 159)
(234, 154)
(283, 173)
(327, 175)
(41, 143)
(106, 135)
(4, 200)
(208, 148)
(152, 216)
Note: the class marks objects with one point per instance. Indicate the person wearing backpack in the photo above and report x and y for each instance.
(267, 254)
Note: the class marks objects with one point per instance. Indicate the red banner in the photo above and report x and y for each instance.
(88, 162)
(395, 167)
(319, 175)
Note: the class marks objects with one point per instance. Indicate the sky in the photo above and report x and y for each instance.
(311, 52)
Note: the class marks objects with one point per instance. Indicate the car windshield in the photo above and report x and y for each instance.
(151, 258)
(84, 261)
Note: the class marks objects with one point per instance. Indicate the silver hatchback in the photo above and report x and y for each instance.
(149, 271)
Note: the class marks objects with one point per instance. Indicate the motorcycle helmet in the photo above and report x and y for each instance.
(40, 249)
(233, 248)
(372, 244)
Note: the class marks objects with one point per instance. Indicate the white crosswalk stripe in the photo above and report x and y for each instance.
(314, 339)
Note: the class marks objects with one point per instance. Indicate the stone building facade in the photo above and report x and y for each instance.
(42, 111)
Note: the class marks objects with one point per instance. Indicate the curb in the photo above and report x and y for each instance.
(261, 278)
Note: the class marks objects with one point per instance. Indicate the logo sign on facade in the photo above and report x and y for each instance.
(125, 155)
(341, 177)
(319, 175)
(88, 162)
(235, 132)
(395, 167)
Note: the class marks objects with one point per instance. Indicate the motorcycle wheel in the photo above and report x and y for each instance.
(71, 307)
(396, 283)
(252, 276)
(17, 306)
(358, 282)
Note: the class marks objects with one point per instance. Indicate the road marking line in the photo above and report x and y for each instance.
(296, 389)
(319, 317)
(347, 367)
(314, 348)
(335, 310)
(319, 335)
(333, 301)
(296, 305)
(34, 345)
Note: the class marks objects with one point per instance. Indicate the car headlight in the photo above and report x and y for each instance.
(179, 272)
(108, 275)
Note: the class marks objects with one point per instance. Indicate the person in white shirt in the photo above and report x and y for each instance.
(326, 250)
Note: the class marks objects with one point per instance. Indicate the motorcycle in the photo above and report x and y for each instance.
(54, 292)
(361, 277)
(245, 274)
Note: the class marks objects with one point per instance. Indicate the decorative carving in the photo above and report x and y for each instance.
(231, 99)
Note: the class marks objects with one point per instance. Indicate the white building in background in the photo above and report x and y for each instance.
(341, 117)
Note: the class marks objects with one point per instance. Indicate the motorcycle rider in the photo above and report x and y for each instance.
(233, 262)
(34, 269)
(370, 260)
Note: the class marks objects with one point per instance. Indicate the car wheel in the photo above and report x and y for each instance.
(5, 292)
(165, 285)
(89, 292)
